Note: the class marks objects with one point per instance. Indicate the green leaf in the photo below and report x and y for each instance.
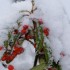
(16, 37)
(9, 35)
(11, 43)
(6, 43)
(46, 54)
(39, 67)
(56, 65)
(41, 60)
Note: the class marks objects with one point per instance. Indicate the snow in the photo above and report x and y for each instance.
(21, 5)
(58, 20)
(56, 16)
(25, 60)
(9, 13)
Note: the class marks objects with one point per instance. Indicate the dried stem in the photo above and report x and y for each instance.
(32, 10)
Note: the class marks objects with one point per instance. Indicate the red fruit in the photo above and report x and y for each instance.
(19, 50)
(7, 57)
(23, 31)
(1, 48)
(25, 27)
(14, 53)
(10, 67)
(11, 57)
(40, 21)
(3, 58)
(46, 31)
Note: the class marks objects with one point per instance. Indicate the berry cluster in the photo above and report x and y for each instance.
(9, 57)
(13, 46)
(36, 32)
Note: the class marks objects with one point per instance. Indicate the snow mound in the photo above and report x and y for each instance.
(56, 16)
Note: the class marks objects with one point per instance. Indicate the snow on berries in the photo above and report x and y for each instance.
(35, 35)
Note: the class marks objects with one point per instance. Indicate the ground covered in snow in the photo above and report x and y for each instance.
(56, 15)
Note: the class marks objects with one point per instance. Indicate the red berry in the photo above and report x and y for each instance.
(40, 21)
(1, 48)
(23, 31)
(14, 53)
(3, 58)
(12, 57)
(25, 27)
(9, 58)
(46, 31)
(10, 67)
(19, 50)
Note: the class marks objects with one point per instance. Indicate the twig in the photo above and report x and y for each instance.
(32, 10)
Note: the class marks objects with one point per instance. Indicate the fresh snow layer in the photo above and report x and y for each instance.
(56, 16)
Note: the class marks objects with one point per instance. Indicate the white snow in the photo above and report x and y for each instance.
(25, 60)
(56, 16)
